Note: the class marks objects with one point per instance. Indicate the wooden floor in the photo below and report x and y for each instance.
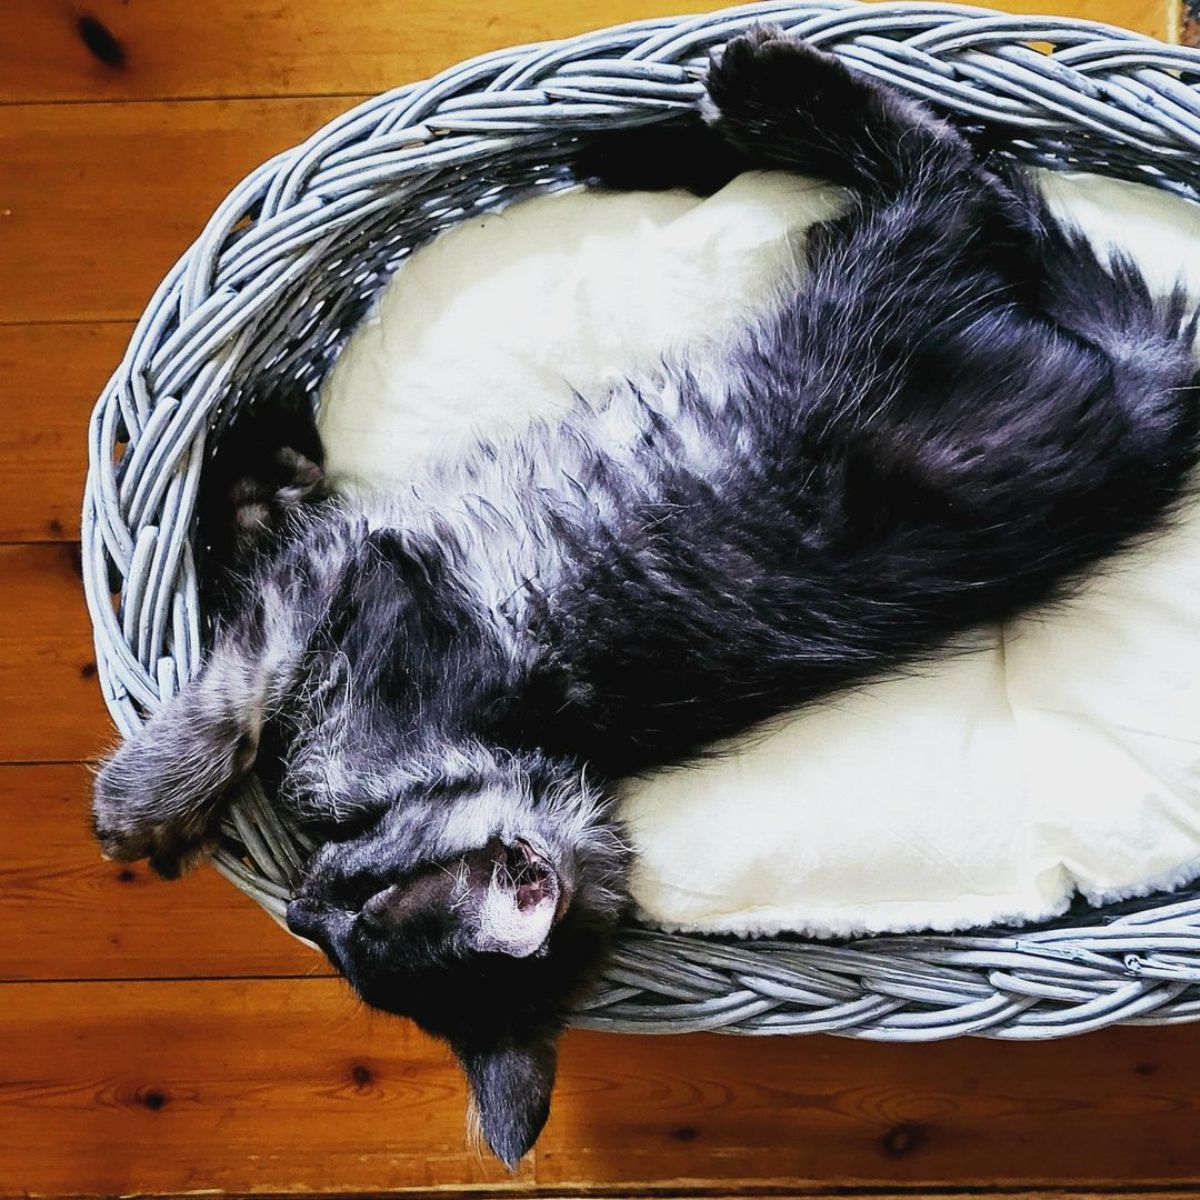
(169, 1038)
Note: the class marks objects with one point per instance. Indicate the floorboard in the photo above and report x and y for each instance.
(99, 200)
(67, 914)
(50, 706)
(289, 1085)
(50, 376)
(114, 49)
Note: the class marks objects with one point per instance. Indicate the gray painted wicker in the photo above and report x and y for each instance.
(287, 265)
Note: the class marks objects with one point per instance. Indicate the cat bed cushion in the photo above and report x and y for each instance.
(1059, 755)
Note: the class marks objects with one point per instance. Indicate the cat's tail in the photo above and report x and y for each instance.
(1148, 336)
(1121, 456)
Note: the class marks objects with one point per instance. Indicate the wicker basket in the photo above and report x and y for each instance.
(287, 265)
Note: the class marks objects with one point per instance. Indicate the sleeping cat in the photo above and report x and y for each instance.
(954, 411)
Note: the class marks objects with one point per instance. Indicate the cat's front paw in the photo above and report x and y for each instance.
(132, 826)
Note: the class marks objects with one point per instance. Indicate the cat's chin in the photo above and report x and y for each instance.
(517, 919)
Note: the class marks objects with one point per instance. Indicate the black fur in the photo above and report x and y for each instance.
(955, 412)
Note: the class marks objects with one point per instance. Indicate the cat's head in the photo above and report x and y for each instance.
(478, 904)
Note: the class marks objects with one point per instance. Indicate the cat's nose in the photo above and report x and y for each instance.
(303, 919)
(318, 923)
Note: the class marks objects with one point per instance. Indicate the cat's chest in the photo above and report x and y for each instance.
(518, 522)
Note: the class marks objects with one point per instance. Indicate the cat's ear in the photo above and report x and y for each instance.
(511, 1084)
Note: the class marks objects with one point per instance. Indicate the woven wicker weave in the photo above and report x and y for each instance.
(289, 261)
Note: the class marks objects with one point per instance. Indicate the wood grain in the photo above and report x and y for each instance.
(116, 50)
(262, 1086)
(817, 1111)
(66, 914)
(50, 706)
(287, 1085)
(50, 376)
(97, 201)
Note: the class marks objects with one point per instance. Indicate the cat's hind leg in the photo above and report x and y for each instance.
(1005, 406)
(785, 105)
(683, 154)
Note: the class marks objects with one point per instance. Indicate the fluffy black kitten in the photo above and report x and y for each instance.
(955, 411)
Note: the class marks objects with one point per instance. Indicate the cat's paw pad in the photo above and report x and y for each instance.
(262, 503)
(251, 509)
(302, 480)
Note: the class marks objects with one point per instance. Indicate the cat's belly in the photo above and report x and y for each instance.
(517, 521)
